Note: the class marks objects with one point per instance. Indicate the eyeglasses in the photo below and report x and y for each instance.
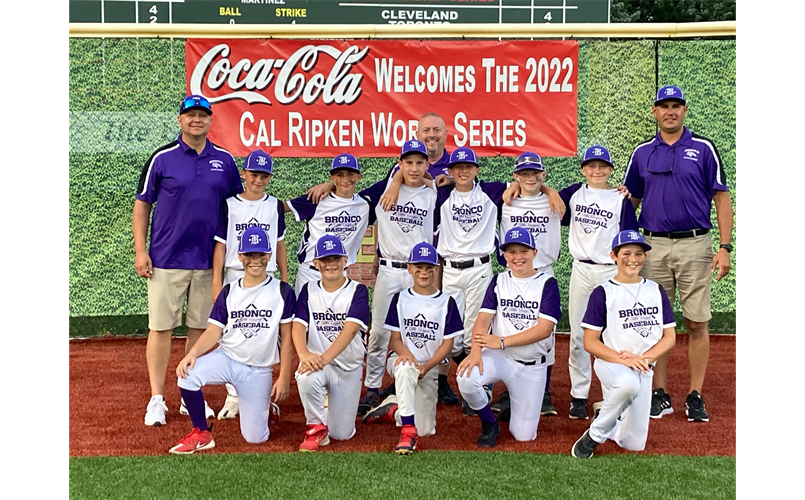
(522, 160)
(665, 167)
(190, 102)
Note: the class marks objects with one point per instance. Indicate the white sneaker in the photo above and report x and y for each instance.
(155, 412)
(207, 410)
(230, 409)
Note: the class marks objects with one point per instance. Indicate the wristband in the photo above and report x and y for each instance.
(502, 345)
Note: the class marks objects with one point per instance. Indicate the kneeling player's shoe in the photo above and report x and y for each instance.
(466, 410)
(503, 408)
(578, 409)
(369, 401)
(382, 413)
(316, 436)
(445, 394)
(195, 441)
(409, 440)
(660, 404)
(597, 408)
(387, 391)
(488, 388)
(207, 410)
(694, 408)
(230, 409)
(547, 407)
(585, 446)
(155, 412)
(489, 434)
(274, 414)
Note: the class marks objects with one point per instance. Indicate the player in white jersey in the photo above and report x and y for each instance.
(522, 308)
(423, 321)
(341, 213)
(331, 320)
(251, 322)
(253, 207)
(629, 323)
(596, 212)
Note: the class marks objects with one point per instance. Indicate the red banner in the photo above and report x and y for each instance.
(324, 97)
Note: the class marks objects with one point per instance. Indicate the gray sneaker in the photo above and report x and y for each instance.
(578, 409)
(584, 447)
(660, 404)
(369, 401)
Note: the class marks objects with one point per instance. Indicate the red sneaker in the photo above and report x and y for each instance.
(383, 412)
(195, 441)
(409, 440)
(315, 437)
(274, 414)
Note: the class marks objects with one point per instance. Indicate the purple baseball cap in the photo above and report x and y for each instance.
(630, 237)
(597, 153)
(462, 155)
(519, 235)
(528, 161)
(669, 92)
(254, 239)
(195, 102)
(347, 161)
(258, 161)
(329, 245)
(413, 146)
(423, 253)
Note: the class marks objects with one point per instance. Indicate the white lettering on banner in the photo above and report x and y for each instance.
(262, 132)
(391, 78)
(381, 129)
(419, 16)
(338, 87)
(341, 133)
(492, 133)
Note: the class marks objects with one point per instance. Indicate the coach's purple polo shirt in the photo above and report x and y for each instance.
(439, 167)
(679, 198)
(186, 190)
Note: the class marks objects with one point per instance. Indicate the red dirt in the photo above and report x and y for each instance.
(109, 391)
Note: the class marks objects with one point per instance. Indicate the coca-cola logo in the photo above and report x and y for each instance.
(292, 78)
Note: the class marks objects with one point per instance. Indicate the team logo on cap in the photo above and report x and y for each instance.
(670, 91)
(343, 160)
(250, 320)
(408, 216)
(261, 160)
(591, 217)
(420, 330)
(254, 239)
(521, 313)
(462, 155)
(329, 245)
(598, 152)
(424, 252)
(216, 166)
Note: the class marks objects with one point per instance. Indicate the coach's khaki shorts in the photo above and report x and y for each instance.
(167, 290)
(684, 265)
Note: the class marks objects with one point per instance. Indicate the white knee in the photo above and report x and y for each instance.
(254, 436)
(626, 387)
(309, 382)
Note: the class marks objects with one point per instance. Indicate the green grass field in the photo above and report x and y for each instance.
(426, 475)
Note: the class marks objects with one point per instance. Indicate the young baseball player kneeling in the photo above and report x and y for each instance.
(423, 322)
(522, 306)
(629, 323)
(331, 318)
(251, 322)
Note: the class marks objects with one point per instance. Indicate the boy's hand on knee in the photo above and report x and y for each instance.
(468, 364)
(182, 370)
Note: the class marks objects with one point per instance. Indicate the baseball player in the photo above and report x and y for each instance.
(423, 321)
(596, 213)
(251, 322)
(522, 306)
(341, 213)
(331, 319)
(629, 323)
(253, 207)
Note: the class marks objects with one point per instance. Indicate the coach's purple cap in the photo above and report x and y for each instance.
(518, 235)
(423, 253)
(347, 161)
(630, 237)
(597, 153)
(258, 161)
(254, 239)
(669, 92)
(528, 161)
(462, 155)
(413, 146)
(329, 245)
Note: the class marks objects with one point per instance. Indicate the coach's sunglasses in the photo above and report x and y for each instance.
(190, 102)
(664, 168)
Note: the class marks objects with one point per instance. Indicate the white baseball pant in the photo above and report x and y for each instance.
(583, 280)
(526, 385)
(468, 287)
(415, 396)
(627, 394)
(253, 385)
(389, 281)
(343, 389)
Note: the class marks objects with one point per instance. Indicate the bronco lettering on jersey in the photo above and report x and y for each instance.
(592, 217)
(519, 312)
(420, 330)
(467, 217)
(535, 224)
(329, 323)
(248, 319)
(240, 227)
(407, 216)
(640, 319)
(342, 225)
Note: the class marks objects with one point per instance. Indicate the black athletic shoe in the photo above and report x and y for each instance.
(660, 404)
(466, 410)
(547, 407)
(369, 401)
(388, 391)
(694, 408)
(584, 447)
(578, 409)
(445, 393)
(489, 434)
(503, 408)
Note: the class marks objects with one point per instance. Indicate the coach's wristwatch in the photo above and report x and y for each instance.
(726, 246)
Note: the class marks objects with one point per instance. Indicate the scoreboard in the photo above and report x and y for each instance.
(339, 12)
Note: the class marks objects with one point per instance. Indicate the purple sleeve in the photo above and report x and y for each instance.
(289, 299)
(148, 184)
(391, 318)
(551, 301)
(667, 309)
(596, 313)
(632, 180)
(628, 217)
(219, 314)
(235, 184)
(280, 220)
(359, 309)
(494, 190)
(717, 177)
(442, 194)
(565, 194)
(223, 219)
(302, 208)
(373, 193)
(452, 323)
(490, 301)
(302, 313)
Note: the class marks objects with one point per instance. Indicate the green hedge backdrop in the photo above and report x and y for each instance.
(123, 98)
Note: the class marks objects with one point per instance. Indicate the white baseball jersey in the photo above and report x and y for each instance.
(324, 313)
(631, 316)
(237, 214)
(466, 220)
(251, 317)
(519, 304)
(595, 217)
(424, 321)
(534, 214)
(346, 218)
